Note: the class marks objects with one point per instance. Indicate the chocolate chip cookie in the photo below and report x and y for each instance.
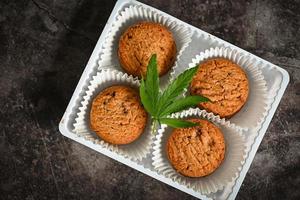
(224, 83)
(117, 115)
(140, 41)
(196, 151)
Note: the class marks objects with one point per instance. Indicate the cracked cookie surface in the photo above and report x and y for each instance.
(117, 115)
(140, 41)
(224, 83)
(196, 151)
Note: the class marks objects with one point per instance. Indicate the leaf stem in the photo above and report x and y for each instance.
(154, 126)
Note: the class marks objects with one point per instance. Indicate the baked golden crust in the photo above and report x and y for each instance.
(197, 151)
(224, 83)
(140, 41)
(117, 115)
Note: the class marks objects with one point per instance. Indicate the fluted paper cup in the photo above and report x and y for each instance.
(255, 109)
(103, 79)
(137, 13)
(235, 153)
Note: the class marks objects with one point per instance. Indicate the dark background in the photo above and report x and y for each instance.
(44, 47)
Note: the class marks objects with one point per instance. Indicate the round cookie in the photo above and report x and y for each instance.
(140, 41)
(196, 151)
(224, 83)
(117, 115)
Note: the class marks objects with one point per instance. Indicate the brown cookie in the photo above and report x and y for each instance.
(117, 115)
(140, 41)
(197, 151)
(224, 83)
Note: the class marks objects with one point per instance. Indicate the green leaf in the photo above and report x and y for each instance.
(146, 101)
(160, 105)
(176, 123)
(152, 81)
(176, 87)
(183, 103)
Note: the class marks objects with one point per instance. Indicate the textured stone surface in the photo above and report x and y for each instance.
(44, 46)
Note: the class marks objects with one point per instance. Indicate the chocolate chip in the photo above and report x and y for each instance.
(125, 111)
(212, 143)
(198, 131)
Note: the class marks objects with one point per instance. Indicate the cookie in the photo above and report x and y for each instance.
(224, 83)
(140, 41)
(196, 151)
(117, 115)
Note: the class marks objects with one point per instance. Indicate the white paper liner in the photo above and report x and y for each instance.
(272, 89)
(255, 109)
(206, 41)
(228, 171)
(103, 79)
(131, 15)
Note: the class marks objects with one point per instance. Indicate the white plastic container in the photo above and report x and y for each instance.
(276, 82)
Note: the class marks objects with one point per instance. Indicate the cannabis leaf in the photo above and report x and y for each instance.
(161, 104)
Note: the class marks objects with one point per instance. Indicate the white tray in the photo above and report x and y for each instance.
(277, 80)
